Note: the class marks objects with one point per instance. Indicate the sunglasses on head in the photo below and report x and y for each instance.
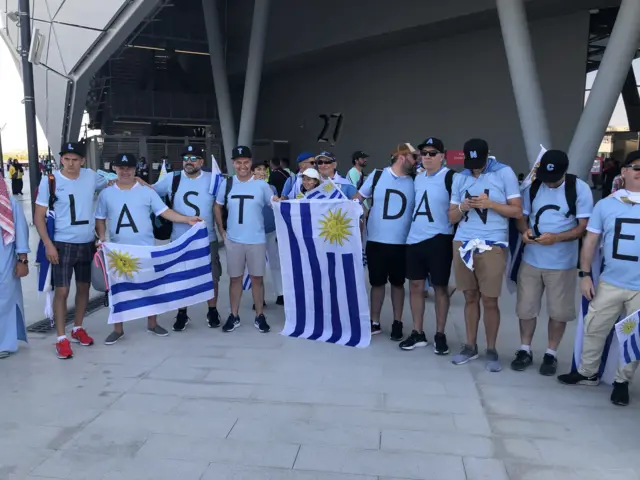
(429, 153)
(190, 159)
(324, 162)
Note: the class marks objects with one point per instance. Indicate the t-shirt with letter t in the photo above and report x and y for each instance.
(245, 203)
(390, 215)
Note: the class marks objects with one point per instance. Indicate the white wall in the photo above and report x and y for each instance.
(455, 88)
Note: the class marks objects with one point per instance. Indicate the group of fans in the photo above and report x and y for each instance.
(422, 220)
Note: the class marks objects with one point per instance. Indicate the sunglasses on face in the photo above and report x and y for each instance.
(429, 153)
(190, 159)
(635, 167)
(325, 162)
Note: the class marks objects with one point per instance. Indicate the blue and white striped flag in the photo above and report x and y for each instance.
(246, 279)
(216, 177)
(321, 261)
(45, 284)
(629, 338)
(609, 360)
(326, 190)
(152, 280)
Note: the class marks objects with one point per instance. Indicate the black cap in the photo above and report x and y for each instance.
(124, 160)
(432, 142)
(632, 157)
(359, 154)
(77, 148)
(241, 152)
(476, 148)
(192, 151)
(553, 165)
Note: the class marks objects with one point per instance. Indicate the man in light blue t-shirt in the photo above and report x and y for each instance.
(193, 197)
(71, 249)
(244, 237)
(483, 198)
(616, 222)
(550, 229)
(126, 207)
(388, 221)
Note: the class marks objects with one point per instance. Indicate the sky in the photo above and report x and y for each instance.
(14, 135)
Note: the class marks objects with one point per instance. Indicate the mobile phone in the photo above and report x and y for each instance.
(473, 197)
(534, 237)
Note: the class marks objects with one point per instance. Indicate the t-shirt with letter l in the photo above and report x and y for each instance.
(245, 203)
(619, 225)
(128, 213)
(390, 215)
(74, 205)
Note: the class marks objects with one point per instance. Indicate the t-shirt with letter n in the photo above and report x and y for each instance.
(128, 213)
(74, 205)
(192, 200)
(245, 203)
(500, 184)
(619, 225)
(393, 201)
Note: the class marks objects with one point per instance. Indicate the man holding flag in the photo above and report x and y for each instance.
(615, 221)
(194, 197)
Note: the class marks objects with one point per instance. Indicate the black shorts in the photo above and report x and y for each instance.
(386, 263)
(431, 259)
(72, 258)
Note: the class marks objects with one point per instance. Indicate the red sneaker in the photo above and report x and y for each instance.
(80, 336)
(63, 349)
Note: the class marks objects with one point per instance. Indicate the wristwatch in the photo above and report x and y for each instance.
(24, 261)
(583, 274)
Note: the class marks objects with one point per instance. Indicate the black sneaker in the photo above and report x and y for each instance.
(549, 365)
(620, 394)
(261, 324)
(414, 340)
(522, 361)
(575, 378)
(440, 344)
(396, 331)
(231, 324)
(213, 317)
(280, 300)
(181, 321)
(375, 328)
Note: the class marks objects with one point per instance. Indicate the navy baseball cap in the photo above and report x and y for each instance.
(359, 154)
(124, 160)
(432, 142)
(193, 151)
(326, 154)
(305, 156)
(553, 165)
(632, 157)
(73, 147)
(241, 152)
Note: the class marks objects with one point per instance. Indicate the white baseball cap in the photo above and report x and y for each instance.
(311, 173)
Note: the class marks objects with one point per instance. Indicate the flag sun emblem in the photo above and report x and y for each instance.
(123, 264)
(328, 187)
(628, 327)
(335, 227)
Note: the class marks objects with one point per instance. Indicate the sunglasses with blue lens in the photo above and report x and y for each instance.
(191, 159)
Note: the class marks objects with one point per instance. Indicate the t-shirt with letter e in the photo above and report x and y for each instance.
(128, 213)
(245, 203)
(73, 206)
(619, 225)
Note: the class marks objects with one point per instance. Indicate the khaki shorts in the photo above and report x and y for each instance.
(487, 273)
(560, 288)
(216, 266)
(239, 255)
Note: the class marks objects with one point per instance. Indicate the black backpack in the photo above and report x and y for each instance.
(225, 211)
(162, 228)
(448, 182)
(570, 190)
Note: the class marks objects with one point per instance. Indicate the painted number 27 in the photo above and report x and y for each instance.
(328, 120)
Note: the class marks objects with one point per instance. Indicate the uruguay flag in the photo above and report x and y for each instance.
(629, 338)
(216, 177)
(321, 260)
(152, 280)
(45, 284)
(326, 190)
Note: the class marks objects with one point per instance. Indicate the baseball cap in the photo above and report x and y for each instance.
(632, 157)
(359, 154)
(305, 156)
(241, 152)
(311, 173)
(77, 148)
(553, 165)
(124, 160)
(192, 151)
(403, 149)
(476, 148)
(432, 142)
(326, 154)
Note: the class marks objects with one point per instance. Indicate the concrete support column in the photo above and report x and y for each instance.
(254, 72)
(524, 77)
(621, 49)
(220, 80)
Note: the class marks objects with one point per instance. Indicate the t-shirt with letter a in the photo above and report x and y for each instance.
(393, 201)
(73, 205)
(128, 213)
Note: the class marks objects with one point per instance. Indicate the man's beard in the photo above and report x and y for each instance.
(193, 170)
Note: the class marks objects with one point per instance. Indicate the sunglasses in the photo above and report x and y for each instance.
(190, 159)
(325, 162)
(429, 153)
(635, 167)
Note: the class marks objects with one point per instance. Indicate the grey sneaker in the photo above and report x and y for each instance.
(4, 354)
(113, 338)
(467, 354)
(493, 361)
(159, 331)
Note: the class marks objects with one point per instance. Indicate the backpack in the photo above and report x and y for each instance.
(448, 182)
(225, 211)
(570, 190)
(162, 228)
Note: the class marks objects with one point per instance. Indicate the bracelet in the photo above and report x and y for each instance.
(460, 208)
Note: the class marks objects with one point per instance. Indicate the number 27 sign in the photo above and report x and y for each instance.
(335, 120)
